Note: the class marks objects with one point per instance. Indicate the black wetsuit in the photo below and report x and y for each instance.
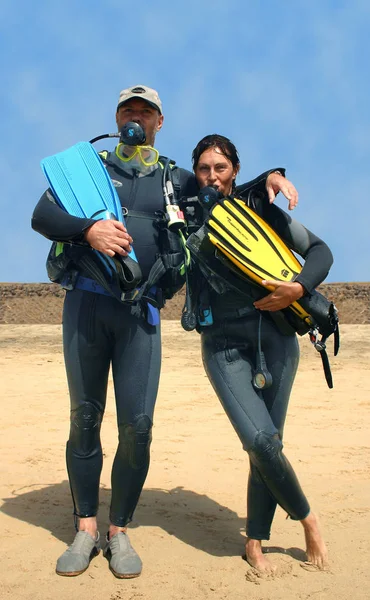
(98, 332)
(229, 350)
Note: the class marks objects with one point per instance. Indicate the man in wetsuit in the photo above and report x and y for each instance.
(99, 331)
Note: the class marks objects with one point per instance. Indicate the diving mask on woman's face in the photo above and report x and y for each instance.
(147, 155)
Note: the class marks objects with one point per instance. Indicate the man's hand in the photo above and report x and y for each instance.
(277, 183)
(110, 237)
(282, 295)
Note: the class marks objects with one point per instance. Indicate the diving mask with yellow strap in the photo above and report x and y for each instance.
(132, 147)
(146, 155)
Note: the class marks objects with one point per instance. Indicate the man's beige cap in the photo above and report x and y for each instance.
(143, 92)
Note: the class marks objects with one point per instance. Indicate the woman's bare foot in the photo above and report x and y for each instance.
(256, 558)
(316, 550)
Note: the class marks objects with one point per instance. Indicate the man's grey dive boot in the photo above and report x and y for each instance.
(124, 562)
(77, 557)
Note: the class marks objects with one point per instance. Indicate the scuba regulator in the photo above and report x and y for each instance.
(132, 134)
(208, 196)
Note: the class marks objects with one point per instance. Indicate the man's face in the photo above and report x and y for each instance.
(144, 114)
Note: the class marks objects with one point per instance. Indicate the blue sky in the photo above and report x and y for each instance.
(288, 82)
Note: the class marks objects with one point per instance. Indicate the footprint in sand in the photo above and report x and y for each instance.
(309, 566)
(256, 576)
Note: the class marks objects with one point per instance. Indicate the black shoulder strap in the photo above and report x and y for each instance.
(176, 181)
(174, 174)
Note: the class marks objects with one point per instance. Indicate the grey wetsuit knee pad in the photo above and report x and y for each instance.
(85, 428)
(266, 454)
(134, 440)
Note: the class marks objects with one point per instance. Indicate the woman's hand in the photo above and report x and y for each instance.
(110, 237)
(277, 183)
(282, 295)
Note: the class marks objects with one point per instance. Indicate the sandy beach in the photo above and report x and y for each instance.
(189, 524)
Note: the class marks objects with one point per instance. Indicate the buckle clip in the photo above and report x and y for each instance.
(130, 295)
(319, 345)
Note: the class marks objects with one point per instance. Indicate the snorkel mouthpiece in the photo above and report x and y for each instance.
(208, 196)
(132, 134)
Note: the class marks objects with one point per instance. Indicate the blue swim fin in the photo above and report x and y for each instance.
(82, 187)
(80, 182)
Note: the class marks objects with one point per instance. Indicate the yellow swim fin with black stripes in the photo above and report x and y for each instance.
(252, 245)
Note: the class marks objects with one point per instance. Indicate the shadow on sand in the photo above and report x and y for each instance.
(193, 518)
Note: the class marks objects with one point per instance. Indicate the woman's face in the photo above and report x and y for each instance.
(214, 168)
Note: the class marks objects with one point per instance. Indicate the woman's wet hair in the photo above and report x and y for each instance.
(216, 141)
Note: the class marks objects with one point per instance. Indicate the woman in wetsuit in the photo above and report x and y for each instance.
(229, 350)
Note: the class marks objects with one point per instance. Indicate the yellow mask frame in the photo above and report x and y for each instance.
(147, 154)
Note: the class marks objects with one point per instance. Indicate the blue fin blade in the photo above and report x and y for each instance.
(60, 186)
(101, 179)
(82, 186)
(81, 182)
